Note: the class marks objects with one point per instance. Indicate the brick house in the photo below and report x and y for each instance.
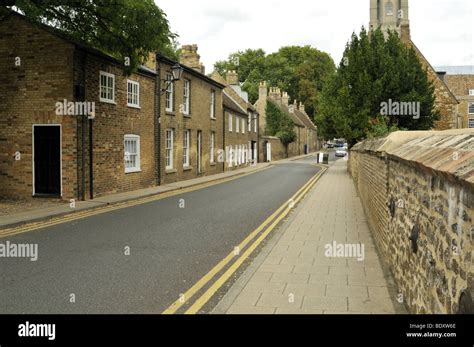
(241, 130)
(460, 81)
(270, 147)
(191, 124)
(51, 88)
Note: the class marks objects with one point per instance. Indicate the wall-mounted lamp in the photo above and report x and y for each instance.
(177, 73)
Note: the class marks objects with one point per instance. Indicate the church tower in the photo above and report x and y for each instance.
(390, 15)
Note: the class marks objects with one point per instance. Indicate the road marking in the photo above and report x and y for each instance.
(206, 278)
(115, 206)
(199, 303)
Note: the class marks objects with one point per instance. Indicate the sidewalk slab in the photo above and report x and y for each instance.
(294, 273)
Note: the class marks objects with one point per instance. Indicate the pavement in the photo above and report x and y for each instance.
(293, 273)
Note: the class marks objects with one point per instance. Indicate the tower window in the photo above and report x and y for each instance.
(389, 8)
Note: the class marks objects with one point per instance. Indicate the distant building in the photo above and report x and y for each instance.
(394, 16)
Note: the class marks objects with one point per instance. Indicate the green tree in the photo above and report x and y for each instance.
(375, 70)
(299, 70)
(122, 28)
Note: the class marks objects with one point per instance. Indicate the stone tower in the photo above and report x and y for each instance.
(390, 15)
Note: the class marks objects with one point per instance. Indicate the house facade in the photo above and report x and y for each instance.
(460, 81)
(306, 132)
(191, 123)
(73, 126)
(241, 130)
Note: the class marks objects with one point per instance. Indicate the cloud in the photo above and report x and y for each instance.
(442, 29)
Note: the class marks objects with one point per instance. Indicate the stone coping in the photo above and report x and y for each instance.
(449, 153)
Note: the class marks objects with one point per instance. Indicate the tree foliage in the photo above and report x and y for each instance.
(299, 70)
(122, 28)
(372, 71)
(279, 124)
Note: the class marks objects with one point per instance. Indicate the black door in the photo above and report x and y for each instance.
(47, 160)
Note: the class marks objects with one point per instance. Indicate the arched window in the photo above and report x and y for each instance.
(389, 8)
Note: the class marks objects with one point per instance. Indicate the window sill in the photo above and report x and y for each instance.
(171, 171)
(132, 171)
(170, 113)
(212, 164)
(187, 168)
(186, 115)
(134, 106)
(106, 101)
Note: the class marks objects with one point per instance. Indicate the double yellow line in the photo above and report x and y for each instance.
(276, 217)
(117, 206)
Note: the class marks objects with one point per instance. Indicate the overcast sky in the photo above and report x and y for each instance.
(442, 29)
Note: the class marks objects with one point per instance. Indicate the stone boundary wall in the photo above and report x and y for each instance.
(417, 189)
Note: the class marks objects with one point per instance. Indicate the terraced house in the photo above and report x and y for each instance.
(72, 125)
(271, 147)
(241, 130)
(191, 120)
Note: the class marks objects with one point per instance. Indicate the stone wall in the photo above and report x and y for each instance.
(417, 189)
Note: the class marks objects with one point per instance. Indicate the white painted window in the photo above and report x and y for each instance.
(236, 156)
(243, 125)
(470, 123)
(186, 136)
(471, 92)
(132, 153)
(107, 87)
(249, 122)
(255, 123)
(186, 96)
(213, 139)
(133, 94)
(169, 94)
(230, 122)
(213, 104)
(169, 148)
(471, 108)
(237, 124)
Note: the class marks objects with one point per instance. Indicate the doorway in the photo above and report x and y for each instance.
(199, 151)
(47, 160)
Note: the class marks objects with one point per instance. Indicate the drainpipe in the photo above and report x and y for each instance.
(91, 163)
(158, 121)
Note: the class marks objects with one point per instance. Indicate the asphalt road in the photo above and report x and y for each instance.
(83, 266)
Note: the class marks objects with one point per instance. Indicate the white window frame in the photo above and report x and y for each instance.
(255, 123)
(132, 94)
(469, 105)
(137, 167)
(186, 142)
(237, 124)
(243, 125)
(471, 92)
(212, 144)
(107, 76)
(169, 93)
(169, 150)
(230, 122)
(249, 121)
(186, 96)
(470, 123)
(213, 104)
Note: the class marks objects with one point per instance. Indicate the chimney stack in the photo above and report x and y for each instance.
(262, 90)
(301, 108)
(232, 78)
(275, 94)
(191, 58)
(285, 99)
